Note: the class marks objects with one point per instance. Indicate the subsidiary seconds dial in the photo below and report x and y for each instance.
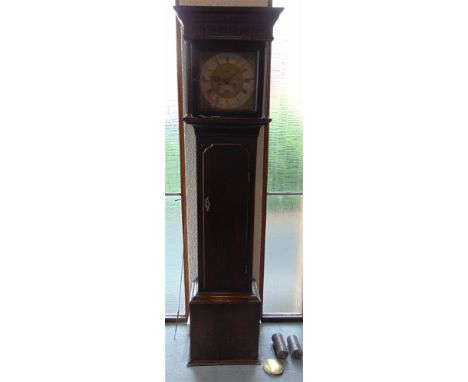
(227, 81)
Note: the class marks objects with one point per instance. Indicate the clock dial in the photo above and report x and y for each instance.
(227, 81)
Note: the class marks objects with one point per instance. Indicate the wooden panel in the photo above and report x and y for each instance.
(225, 169)
(225, 179)
(224, 329)
(224, 332)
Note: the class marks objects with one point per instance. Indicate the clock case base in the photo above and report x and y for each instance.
(224, 327)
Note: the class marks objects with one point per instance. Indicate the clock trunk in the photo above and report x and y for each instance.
(225, 172)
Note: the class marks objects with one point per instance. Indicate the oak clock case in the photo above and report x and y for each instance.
(226, 79)
(226, 71)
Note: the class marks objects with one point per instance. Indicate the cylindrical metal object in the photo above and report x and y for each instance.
(294, 347)
(280, 346)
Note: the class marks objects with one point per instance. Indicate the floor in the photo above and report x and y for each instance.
(177, 353)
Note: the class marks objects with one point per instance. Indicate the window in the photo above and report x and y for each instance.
(173, 235)
(283, 242)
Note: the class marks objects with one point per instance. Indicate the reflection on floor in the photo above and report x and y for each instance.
(177, 353)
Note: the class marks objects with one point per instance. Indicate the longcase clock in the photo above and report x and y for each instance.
(226, 74)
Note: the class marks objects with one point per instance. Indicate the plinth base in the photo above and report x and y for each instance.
(224, 328)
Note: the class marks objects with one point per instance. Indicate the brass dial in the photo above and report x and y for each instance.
(227, 81)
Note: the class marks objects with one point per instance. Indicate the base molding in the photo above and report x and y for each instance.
(224, 362)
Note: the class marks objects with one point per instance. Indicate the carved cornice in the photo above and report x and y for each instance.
(228, 23)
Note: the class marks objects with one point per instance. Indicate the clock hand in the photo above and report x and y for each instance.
(235, 73)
